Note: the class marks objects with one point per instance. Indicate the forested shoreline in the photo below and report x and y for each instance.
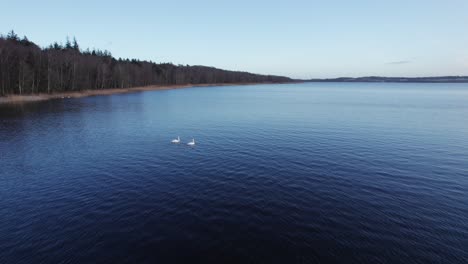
(26, 68)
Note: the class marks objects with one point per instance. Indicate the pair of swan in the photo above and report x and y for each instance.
(177, 141)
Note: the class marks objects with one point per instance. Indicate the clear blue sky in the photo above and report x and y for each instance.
(301, 39)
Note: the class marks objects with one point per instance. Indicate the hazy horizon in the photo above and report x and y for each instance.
(298, 39)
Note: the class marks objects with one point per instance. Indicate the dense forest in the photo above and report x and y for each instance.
(26, 68)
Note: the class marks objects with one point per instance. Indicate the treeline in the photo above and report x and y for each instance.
(26, 68)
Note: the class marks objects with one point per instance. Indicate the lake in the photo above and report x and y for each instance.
(291, 173)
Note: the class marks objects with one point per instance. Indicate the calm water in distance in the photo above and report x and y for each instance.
(297, 173)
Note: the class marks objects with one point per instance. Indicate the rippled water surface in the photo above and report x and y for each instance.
(305, 173)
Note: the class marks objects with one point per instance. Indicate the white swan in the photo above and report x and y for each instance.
(191, 143)
(177, 140)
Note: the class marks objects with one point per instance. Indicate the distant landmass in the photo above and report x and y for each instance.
(441, 79)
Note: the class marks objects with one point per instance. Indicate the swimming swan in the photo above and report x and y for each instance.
(177, 140)
(192, 143)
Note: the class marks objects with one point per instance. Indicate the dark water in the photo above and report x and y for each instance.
(305, 173)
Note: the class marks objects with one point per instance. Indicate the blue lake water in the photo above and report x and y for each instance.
(295, 173)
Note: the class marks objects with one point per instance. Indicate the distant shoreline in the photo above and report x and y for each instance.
(19, 99)
(25, 98)
(438, 79)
